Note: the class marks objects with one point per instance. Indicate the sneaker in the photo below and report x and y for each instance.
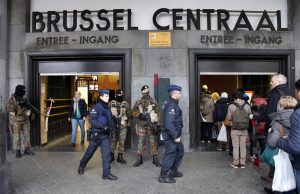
(242, 166)
(219, 149)
(233, 165)
(208, 141)
(202, 141)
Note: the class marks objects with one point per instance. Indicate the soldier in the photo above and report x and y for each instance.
(121, 112)
(171, 134)
(18, 107)
(102, 124)
(146, 110)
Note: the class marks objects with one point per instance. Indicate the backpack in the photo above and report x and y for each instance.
(259, 125)
(240, 118)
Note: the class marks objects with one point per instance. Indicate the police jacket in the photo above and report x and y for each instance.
(172, 120)
(101, 117)
(291, 145)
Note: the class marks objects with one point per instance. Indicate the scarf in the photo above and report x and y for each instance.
(75, 105)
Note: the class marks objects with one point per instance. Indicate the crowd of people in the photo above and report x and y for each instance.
(273, 123)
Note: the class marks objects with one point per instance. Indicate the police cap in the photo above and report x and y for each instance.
(103, 91)
(174, 88)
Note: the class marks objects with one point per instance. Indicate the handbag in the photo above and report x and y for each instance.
(223, 134)
(268, 155)
(284, 178)
(273, 137)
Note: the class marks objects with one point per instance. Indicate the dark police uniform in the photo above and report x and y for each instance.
(172, 130)
(101, 122)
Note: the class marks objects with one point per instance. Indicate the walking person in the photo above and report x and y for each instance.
(102, 126)
(174, 150)
(77, 115)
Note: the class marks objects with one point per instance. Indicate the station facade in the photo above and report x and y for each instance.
(64, 45)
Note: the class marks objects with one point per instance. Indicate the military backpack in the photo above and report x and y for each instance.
(240, 118)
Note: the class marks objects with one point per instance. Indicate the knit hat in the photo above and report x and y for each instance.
(215, 96)
(204, 87)
(224, 95)
(145, 89)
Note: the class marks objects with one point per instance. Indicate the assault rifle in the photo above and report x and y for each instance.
(117, 123)
(153, 126)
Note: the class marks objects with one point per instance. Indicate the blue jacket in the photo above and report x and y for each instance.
(291, 144)
(172, 120)
(101, 116)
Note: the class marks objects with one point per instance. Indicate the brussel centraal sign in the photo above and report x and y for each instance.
(104, 20)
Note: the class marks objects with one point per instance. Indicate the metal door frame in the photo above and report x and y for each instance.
(287, 58)
(31, 73)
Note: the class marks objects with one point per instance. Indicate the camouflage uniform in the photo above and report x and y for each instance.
(122, 111)
(146, 105)
(19, 122)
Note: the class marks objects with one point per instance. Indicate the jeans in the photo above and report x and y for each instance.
(75, 123)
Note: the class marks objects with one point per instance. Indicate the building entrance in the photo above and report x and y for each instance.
(56, 76)
(227, 70)
(57, 92)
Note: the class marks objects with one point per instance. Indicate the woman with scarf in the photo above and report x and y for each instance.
(77, 115)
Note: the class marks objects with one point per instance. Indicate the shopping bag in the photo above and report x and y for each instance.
(284, 178)
(268, 155)
(223, 134)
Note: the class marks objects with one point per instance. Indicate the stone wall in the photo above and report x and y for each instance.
(5, 170)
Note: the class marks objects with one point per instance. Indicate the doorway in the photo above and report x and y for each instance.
(70, 70)
(57, 92)
(229, 69)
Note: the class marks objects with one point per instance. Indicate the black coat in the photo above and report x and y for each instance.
(273, 99)
(274, 96)
(220, 110)
(82, 108)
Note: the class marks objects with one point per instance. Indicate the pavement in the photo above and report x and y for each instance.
(205, 171)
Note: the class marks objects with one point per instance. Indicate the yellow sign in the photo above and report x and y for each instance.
(159, 39)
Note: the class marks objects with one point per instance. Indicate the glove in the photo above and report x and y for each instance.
(142, 117)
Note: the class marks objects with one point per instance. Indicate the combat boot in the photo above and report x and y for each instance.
(110, 177)
(139, 161)
(81, 169)
(121, 159)
(175, 173)
(112, 157)
(28, 152)
(155, 161)
(18, 154)
(166, 179)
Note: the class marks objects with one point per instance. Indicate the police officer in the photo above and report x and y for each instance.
(146, 111)
(18, 107)
(101, 122)
(171, 134)
(121, 112)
